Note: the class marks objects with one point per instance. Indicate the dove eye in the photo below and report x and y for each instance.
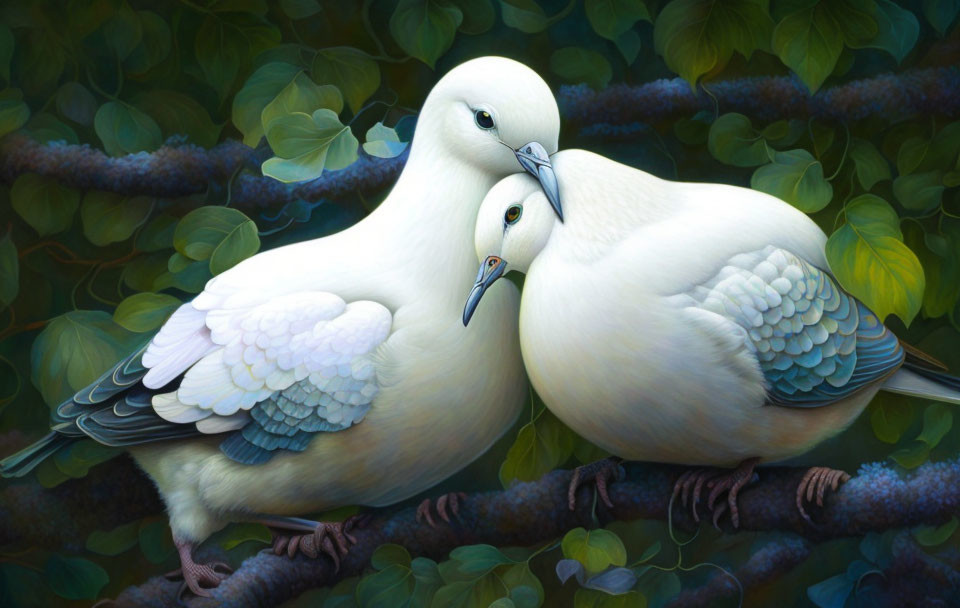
(483, 119)
(512, 214)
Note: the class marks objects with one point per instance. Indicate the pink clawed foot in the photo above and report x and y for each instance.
(451, 500)
(815, 482)
(330, 539)
(198, 578)
(601, 473)
(691, 484)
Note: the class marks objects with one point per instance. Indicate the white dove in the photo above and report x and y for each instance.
(336, 371)
(688, 323)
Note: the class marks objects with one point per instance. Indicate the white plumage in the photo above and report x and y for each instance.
(338, 365)
(684, 323)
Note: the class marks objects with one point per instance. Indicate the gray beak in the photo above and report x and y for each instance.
(490, 270)
(534, 159)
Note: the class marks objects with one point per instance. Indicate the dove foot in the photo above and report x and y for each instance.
(198, 578)
(814, 485)
(601, 473)
(451, 500)
(330, 539)
(691, 484)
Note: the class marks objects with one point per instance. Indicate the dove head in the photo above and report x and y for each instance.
(513, 226)
(498, 116)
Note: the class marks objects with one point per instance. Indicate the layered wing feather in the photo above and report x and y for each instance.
(277, 372)
(814, 343)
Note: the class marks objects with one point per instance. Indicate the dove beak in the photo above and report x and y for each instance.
(534, 159)
(490, 270)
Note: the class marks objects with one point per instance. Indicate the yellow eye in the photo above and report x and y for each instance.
(512, 214)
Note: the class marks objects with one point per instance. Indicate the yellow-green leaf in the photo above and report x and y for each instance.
(144, 311)
(350, 70)
(109, 218)
(796, 177)
(595, 549)
(869, 258)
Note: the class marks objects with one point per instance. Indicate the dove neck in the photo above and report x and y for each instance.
(431, 212)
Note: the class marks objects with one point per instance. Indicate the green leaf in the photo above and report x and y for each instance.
(76, 103)
(897, 30)
(477, 560)
(223, 235)
(305, 145)
(524, 15)
(424, 29)
(612, 18)
(123, 30)
(259, 90)
(123, 129)
(304, 96)
(144, 311)
(941, 13)
(796, 177)
(156, 540)
(832, 592)
(478, 15)
(919, 191)
(588, 598)
(157, 234)
(870, 260)
(141, 273)
(890, 417)
(179, 114)
(937, 422)
(931, 536)
(351, 70)
(912, 154)
(218, 48)
(114, 542)
(629, 44)
(734, 141)
(478, 593)
(540, 447)
(13, 112)
(6, 51)
(74, 578)
(110, 218)
(390, 555)
(240, 533)
(383, 142)
(809, 42)
(191, 278)
(9, 271)
(575, 64)
(78, 458)
(699, 36)
(939, 255)
(391, 586)
(73, 350)
(47, 128)
(595, 549)
(43, 203)
(154, 46)
(871, 166)
(912, 456)
(300, 9)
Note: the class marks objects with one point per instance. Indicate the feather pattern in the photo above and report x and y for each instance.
(814, 343)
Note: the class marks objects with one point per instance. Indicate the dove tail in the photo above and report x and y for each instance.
(926, 383)
(24, 461)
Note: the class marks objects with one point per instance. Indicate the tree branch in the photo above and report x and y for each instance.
(182, 170)
(532, 513)
(614, 110)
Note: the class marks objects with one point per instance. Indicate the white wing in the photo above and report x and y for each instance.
(280, 369)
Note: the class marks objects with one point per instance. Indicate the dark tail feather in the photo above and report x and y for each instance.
(24, 461)
(937, 376)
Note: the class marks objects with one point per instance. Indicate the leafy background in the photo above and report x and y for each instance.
(310, 86)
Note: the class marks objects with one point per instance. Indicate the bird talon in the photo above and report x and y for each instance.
(690, 485)
(601, 473)
(813, 488)
(450, 500)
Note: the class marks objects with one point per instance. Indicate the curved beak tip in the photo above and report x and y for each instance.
(534, 159)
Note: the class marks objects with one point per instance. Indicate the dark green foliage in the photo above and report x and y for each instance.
(307, 84)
